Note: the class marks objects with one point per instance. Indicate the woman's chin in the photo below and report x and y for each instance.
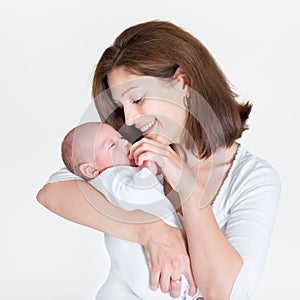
(154, 136)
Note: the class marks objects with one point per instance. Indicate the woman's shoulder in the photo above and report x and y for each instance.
(252, 183)
(250, 166)
(252, 177)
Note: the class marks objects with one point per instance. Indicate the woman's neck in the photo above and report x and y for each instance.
(222, 157)
(211, 172)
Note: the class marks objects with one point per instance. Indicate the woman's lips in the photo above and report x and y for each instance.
(147, 128)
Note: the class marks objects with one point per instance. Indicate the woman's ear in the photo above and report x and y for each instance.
(180, 76)
(89, 170)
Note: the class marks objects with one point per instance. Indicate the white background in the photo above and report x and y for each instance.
(49, 50)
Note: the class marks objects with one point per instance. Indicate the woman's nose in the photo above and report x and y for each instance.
(131, 113)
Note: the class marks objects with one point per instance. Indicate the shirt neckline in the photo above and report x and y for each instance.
(227, 174)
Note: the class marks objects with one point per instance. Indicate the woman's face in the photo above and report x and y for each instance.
(153, 105)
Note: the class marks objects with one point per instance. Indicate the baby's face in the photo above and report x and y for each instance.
(110, 148)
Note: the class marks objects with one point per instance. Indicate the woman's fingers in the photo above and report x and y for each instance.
(147, 141)
(146, 145)
(164, 281)
(154, 271)
(154, 279)
(150, 156)
(176, 284)
(169, 265)
(191, 280)
(176, 278)
(162, 155)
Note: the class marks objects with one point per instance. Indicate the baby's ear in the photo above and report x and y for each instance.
(89, 170)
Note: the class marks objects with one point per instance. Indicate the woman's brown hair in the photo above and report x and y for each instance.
(157, 49)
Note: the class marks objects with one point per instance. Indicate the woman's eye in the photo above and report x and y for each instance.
(111, 145)
(137, 101)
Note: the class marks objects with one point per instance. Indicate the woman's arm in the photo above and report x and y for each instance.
(216, 264)
(214, 261)
(235, 259)
(79, 202)
(225, 266)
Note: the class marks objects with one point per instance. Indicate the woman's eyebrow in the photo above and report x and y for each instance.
(126, 91)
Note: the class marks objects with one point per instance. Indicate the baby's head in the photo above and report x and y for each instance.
(90, 148)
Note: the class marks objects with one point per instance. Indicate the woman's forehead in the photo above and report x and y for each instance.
(121, 86)
(120, 76)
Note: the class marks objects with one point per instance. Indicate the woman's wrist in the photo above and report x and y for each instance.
(160, 233)
(149, 231)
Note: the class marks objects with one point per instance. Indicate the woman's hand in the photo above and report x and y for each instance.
(165, 246)
(176, 173)
(167, 160)
(167, 257)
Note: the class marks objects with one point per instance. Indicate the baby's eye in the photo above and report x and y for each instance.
(111, 145)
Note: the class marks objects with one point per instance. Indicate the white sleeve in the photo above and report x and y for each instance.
(61, 175)
(250, 226)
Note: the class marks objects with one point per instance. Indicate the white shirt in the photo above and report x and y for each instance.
(245, 210)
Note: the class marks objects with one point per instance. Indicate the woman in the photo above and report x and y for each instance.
(159, 79)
